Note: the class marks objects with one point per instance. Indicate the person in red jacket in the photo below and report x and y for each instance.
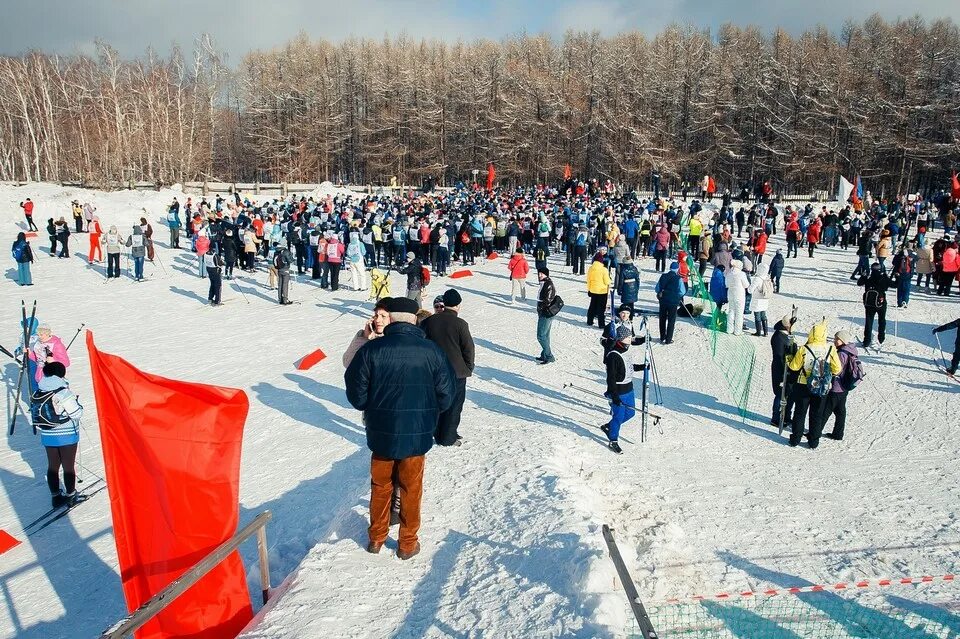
(813, 236)
(519, 268)
(793, 235)
(95, 231)
(27, 207)
(760, 245)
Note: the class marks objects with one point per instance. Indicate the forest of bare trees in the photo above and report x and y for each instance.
(878, 99)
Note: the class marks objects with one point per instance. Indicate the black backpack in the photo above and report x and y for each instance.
(43, 412)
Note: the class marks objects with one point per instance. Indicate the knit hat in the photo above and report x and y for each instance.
(544, 270)
(624, 307)
(787, 320)
(875, 266)
(452, 298)
(674, 266)
(411, 255)
(844, 337)
(438, 300)
(402, 305)
(623, 333)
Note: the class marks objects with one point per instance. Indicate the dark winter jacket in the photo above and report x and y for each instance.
(876, 285)
(452, 334)
(619, 372)
(629, 285)
(547, 292)
(401, 382)
(670, 289)
(414, 272)
(783, 347)
(776, 265)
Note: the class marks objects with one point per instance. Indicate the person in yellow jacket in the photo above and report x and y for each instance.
(598, 287)
(693, 240)
(803, 362)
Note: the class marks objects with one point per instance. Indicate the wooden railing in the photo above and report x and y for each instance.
(150, 608)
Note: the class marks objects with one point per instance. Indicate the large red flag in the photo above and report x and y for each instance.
(491, 176)
(955, 187)
(171, 451)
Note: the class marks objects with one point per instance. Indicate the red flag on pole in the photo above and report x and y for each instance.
(171, 452)
(711, 185)
(955, 187)
(491, 176)
(567, 172)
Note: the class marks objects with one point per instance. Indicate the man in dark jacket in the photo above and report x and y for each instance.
(413, 269)
(452, 334)
(955, 361)
(401, 382)
(628, 288)
(545, 315)
(875, 303)
(783, 348)
(670, 289)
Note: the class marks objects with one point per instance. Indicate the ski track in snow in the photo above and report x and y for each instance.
(511, 520)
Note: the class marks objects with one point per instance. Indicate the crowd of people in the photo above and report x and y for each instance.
(599, 234)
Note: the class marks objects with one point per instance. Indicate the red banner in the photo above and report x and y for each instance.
(171, 452)
(955, 187)
(491, 176)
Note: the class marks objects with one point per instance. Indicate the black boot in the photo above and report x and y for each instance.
(764, 327)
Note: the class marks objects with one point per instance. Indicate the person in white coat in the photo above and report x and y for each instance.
(358, 271)
(761, 291)
(737, 285)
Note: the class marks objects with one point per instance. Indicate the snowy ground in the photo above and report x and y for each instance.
(511, 527)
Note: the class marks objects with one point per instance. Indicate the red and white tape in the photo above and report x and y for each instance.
(854, 585)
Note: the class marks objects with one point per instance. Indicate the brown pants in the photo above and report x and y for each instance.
(409, 473)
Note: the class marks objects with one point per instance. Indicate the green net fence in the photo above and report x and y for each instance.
(912, 614)
(734, 355)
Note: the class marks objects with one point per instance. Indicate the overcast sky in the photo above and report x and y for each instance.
(238, 26)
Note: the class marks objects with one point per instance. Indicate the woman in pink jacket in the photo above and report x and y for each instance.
(48, 348)
(951, 265)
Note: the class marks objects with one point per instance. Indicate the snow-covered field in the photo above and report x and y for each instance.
(511, 523)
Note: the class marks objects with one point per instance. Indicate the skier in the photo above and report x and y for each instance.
(387, 380)
(213, 264)
(816, 364)
(628, 288)
(113, 243)
(56, 413)
(619, 387)
(95, 231)
(452, 334)
(413, 269)
(137, 251)
(173, 222)
(776, 269)
(27, 207)
(23, 256)
(875, 303)
(955, 361)
(63, 237)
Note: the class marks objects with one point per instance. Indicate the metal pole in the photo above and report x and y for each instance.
(264, 563)
(643, 619)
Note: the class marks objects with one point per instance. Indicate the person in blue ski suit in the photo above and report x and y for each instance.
(619, 367)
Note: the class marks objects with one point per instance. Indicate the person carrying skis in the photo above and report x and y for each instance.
(56, 414)
(955, 361)
(817, 364)
(619, 368)
(784, 349)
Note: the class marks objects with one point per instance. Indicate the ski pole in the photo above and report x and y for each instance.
(595, 394)
(9, 354)
(940, 346)
(75, 335)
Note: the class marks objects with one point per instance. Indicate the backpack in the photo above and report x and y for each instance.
(464, 238)
(852, 374)
(280, 260)
(18, 251)
(874, 299)
(820, 378)
(43, 410)
(425, 274)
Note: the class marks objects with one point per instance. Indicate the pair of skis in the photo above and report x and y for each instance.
(59, 512)
(24, 363)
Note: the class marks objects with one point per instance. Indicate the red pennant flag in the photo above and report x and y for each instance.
(567, 172)
(311, 360)
(456, 275)
(711, 185)
(491, 176)
(7, 541)
(493, 256)
(955, 187)
(171, 451)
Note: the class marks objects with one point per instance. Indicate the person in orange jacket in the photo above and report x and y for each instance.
(760, 245)
(813, 236)
(519, 268)
(95, 232)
